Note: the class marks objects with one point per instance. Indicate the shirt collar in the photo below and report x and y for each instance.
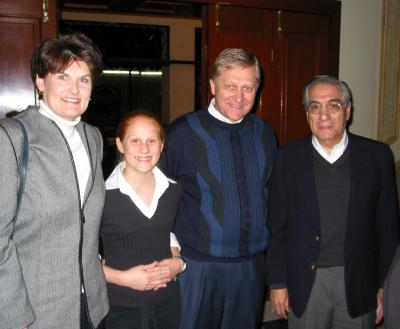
(337, 150)
(216, 114)
(117, 181)
(66, 126)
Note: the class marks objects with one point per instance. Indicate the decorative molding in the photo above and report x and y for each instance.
(389, 89)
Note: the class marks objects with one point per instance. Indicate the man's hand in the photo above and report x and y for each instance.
(280, 302)
(174, 265)
(379, 306)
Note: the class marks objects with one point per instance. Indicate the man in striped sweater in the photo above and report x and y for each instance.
(223, 156)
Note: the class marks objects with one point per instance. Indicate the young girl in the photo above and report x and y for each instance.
(141, 257)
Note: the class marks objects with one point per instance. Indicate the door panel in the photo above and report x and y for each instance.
(302, 50)
(21, 30)
(15, 83)
(21, 7)
(238, 27)
(292, 47)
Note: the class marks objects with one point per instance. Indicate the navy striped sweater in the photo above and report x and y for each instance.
(224, 169)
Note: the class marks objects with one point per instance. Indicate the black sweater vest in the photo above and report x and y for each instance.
(129, 238)
(333, 183)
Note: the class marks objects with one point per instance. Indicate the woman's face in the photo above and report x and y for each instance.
(141, 145)
(67, 93)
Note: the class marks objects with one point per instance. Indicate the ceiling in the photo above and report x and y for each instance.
(151, 7)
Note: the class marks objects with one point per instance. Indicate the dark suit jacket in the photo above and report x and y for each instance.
(294, 223)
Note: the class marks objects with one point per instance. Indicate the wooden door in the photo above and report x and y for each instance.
(291, 46)
(22, 27)
(301, 50)
(239, 27)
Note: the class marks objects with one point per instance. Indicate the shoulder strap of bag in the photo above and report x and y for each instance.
(22, 160)
(23, 165)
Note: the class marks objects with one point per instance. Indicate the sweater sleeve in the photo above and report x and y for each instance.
(174, 151)
(16, 311)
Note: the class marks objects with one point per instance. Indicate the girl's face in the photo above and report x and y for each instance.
(141, 145)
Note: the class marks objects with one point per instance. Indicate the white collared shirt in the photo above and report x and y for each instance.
(337, 150)
(216, 114)
(117, 181)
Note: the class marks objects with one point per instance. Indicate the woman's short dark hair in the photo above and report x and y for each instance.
(56, 54)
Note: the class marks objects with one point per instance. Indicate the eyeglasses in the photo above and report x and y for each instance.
(330, 108)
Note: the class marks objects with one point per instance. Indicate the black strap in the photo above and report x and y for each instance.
(22, 164)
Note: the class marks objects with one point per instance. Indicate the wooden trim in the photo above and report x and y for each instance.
(334, 40)
(311, 6)
(389, 89)
(49, 29)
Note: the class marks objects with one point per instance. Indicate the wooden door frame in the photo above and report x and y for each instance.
(310, 6)
(279, 19)
(332, 8)
(29, 16)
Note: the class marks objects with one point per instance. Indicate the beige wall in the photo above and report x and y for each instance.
(360, 56)
(360, 59)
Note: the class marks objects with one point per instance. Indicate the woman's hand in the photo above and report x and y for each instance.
(146, 277)
(140, 277)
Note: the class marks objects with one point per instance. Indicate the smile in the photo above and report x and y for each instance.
(71, 100)
(143, 158)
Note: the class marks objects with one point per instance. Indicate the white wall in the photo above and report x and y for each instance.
(359, 63)
(360, 60)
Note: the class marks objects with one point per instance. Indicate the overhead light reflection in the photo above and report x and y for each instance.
(126, 72)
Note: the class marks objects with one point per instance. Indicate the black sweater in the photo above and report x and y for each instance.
(129, 238)
(333, 183)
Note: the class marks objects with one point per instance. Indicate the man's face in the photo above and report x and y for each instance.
(235, 92)
(327, 128)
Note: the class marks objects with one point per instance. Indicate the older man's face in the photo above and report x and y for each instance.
(235, 92)
(327, 128)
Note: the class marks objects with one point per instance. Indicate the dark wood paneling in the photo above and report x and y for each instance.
(49, 29)
(292, 47)
(31, 8)
(248, 28)
(16, 88)
(301, 50)
(307, 6)
(21, 30)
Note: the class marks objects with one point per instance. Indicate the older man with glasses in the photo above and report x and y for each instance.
(333, 219)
